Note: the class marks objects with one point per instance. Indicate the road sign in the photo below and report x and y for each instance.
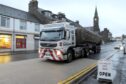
(105, 70)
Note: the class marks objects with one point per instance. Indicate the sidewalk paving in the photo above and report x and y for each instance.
(123, 70)
(17, 52)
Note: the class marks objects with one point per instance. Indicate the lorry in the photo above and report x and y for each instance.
(65, 42)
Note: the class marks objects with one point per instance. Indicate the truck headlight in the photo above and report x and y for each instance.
(58, 53)
(39, 50)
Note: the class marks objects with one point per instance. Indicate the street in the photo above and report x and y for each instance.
(118, 59)
(6, 57)
(20, 70)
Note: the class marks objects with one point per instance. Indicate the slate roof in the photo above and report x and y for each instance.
(89, 28)
(16, 13)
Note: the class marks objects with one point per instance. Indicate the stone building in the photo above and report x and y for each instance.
(106, 35)
(96, 22)
(45, 16)
(95, 28)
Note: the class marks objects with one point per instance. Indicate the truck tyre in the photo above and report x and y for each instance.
(69, 56)
(95, 51)
(86, 54)
(82, 53)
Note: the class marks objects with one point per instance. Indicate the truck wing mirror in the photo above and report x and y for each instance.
(67, 35)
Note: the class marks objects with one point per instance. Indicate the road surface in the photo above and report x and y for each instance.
(35, 71)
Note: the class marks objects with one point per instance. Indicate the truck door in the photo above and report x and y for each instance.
(69, 39)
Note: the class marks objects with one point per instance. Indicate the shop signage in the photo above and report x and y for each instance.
(105, 70)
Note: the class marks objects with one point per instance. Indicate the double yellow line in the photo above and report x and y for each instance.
(81, 73)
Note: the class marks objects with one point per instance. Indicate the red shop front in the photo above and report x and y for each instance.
(20, 41)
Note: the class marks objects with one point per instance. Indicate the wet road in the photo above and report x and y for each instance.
(35, 71)
(24, 56)
(119, 66)
(7, 57)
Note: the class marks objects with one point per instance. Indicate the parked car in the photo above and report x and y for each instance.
(116, 47)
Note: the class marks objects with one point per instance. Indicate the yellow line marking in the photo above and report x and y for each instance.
(78, 75)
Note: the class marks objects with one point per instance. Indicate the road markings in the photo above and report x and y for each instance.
(78, 75)
(82, 72)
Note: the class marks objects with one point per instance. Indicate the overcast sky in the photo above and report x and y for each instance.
(112, 13)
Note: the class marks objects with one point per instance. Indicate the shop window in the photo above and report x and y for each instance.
(5, 41)
(20, 42)
(5, 21)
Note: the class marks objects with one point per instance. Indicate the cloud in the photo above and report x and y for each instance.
(111, 12)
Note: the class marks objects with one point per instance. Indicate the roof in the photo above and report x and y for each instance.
(96, 12)
(15, 13)
(89, 28)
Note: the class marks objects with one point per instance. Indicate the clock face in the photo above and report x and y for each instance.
(95, 19)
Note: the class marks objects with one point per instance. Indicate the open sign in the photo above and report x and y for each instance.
(105, 70)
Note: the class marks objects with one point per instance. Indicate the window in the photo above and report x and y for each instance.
(22, 24)
(5, 21)
(37, 27)
(20, 41)
(48, 14)
(5, 41)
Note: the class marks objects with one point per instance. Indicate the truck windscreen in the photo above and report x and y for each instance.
(52, 35)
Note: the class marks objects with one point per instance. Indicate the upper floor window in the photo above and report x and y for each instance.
(23, 25)
(37, 27)
(4, 21)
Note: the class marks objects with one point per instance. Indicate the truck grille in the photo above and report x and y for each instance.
(48, 45)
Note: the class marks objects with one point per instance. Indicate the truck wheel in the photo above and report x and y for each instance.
(82, 53)
(95, 51)
(69, 56)
(86, 54)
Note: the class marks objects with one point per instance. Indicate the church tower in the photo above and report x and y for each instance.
(96, 22)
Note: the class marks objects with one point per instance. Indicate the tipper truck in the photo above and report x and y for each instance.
(65, 42)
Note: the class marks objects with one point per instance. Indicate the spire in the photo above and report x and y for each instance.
(96, 12)
(96, 21)
(33, 0)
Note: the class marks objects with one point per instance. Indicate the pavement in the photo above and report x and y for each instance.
(119, 65)
(7, 57)
(17, 52)
(123, 70)
(35, 71)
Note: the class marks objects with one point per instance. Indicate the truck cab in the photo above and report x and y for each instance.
(55, 40)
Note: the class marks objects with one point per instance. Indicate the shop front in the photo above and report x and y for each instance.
(5, 41)
(20, 41)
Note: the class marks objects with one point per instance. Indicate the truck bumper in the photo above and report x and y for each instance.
(52, 54)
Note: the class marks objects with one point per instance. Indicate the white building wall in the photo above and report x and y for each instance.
(8, 29)
(30, 42)
(11, 23)
(14, 29)
(30, 27)
(16, 25)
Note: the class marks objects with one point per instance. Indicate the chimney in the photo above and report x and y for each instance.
(33, 5)
(77, 22)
